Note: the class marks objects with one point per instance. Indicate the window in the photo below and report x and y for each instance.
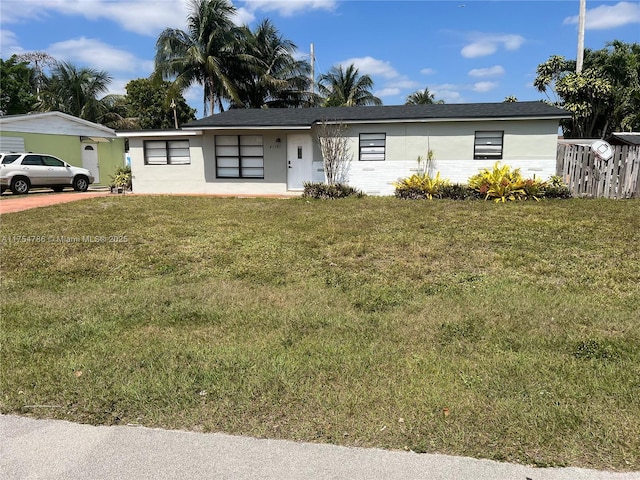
(52, 161)
(34, 160)
(9, 159)
(372, 146)
(239, 156)
(488, 145)
(167, 152)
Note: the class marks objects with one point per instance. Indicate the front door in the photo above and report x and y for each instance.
(299, 161)
(90, 159)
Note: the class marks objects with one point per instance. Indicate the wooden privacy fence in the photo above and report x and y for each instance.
(589, 176)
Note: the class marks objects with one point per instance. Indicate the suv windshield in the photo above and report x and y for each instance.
(9, 158)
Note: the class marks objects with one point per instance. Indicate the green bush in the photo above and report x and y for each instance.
(457, 191)
(122, 177)
(325, 191)
(420, 186)
(499, 183)
(556, 188)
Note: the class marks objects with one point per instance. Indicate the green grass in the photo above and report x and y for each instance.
(355, 322)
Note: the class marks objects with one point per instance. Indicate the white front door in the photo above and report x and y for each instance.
(299, 161)
(90, 159)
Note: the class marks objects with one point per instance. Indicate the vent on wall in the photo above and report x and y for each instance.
(12, 144)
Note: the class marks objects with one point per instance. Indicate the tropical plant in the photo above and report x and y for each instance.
(150, 104)
(17, 87)
(603, 98)
(556, 188)
(206, 54)
(420, 186)
(422, 97)
(75, 91)
(121, 177)
(499, 183)
(346, 88)
(270, 75)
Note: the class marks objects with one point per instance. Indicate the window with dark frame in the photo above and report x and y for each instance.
(488, 145)
(167, 152)
(372, 146)
(239, 156)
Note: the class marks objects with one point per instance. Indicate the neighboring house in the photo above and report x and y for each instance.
(272, 151)
(74, 140)
(624, 138)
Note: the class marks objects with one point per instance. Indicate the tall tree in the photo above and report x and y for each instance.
(346, 88)
(272, 76)
(603, 98)
(17, 87)
(150, 104)
(76, 91)
(422, 97)
(204, 54)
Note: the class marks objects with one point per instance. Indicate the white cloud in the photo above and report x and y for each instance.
(287, 8)
(487, 44)
(427, 71)
(482, 87)
(604, 16)
(139, 16)
(447, 92)
(387, 92)
(494, 71)
(87, 51)
(372, 66)
(9, 44)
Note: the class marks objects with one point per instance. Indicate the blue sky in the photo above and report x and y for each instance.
(463, 50)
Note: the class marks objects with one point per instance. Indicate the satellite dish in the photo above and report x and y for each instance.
(602, 150)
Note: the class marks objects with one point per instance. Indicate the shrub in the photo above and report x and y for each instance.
(420, 186)
(458, 191)
(556, 188)
(122, 177)
(325, 191)
(500, 183)
(534, 188)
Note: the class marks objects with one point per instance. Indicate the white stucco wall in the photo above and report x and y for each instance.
(528, 144)
(200, 176)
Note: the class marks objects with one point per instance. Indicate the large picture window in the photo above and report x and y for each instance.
(239, 156)
(372, 146)
(167, 152)
(488, 145)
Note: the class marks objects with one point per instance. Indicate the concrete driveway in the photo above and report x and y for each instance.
(10, 203)
(53, 449)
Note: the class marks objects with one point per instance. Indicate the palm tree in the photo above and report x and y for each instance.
(346, 88)
(204, 55)
(272, 76)
(75, 91)
(422, 97)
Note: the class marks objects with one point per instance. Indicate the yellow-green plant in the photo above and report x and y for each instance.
(499, 183)
(420, 185)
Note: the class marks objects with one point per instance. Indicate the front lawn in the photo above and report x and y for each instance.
(502, 331)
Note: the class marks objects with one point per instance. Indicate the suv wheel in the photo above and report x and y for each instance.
(80, 183)
(20, 185)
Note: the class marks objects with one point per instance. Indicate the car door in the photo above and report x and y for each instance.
(57, 171)
(34, 169)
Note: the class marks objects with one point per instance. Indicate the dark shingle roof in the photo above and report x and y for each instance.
(305, 117)
(619, 138)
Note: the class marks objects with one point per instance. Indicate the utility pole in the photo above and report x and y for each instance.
(580, 57)
(175, 115)
(313, 74)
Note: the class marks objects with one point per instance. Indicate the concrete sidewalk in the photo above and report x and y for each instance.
(53, 449)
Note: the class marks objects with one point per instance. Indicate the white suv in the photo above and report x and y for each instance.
(22, 171)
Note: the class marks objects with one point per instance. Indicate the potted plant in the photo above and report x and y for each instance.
(121, 180)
